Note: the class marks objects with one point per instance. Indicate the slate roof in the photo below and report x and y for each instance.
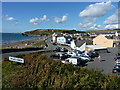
(79, 43)
(109, 37)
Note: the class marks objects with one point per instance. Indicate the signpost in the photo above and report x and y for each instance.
(20, 60)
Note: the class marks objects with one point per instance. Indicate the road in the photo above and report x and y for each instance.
(50, 47)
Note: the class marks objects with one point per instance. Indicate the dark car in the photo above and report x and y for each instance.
(61, 49)
(78, 51)
(117, 58)
(117, 66)
(116, 70)
(118, 54)
(92, 54)
(54, 44)
(60, 55)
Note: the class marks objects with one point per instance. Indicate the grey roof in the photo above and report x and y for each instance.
(81, 42)
(109, 37)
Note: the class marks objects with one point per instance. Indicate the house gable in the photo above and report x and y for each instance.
(103, 41)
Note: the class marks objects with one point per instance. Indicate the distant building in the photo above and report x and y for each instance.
(106, 41)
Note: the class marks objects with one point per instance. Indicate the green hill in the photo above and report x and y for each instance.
(50, 31)
(41, 32)
(40, 71)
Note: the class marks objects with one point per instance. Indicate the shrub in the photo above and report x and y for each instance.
(41, 71)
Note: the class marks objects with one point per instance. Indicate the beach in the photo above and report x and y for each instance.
(23, 44)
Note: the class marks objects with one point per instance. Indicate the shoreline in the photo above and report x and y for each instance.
(23, 44)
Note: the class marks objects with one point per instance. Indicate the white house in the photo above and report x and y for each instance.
(54, 37)
(81, 48)
(61, 40)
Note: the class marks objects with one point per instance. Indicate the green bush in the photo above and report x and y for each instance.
(40, 71)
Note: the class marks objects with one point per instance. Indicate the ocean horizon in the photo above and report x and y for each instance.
(7, 38)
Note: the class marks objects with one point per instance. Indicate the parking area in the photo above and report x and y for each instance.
(107, 61)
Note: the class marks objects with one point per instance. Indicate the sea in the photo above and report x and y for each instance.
(7, 38)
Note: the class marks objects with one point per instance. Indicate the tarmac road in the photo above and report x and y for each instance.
(50, 47)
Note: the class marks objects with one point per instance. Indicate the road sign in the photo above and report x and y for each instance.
(20, 60)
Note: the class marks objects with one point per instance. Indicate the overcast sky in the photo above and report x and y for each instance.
(25, 16)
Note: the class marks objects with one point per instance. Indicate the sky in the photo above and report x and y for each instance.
(27, 16)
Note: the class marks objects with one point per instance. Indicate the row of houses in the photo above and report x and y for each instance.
(103, 33)
(99, 42)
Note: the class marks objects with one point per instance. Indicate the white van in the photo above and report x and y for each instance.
(73, 60)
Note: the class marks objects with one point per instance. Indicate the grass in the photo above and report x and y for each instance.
(41, 71)
(40, 43)
(50, 31)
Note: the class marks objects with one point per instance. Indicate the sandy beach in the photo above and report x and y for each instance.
(23, 44)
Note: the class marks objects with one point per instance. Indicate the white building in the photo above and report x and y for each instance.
(61, 40)
(54, 37)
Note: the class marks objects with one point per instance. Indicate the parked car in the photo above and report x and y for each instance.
(75, 53)
(61, 49)
(117, 66)
(57, 55)
(92, 54)
(54, 44)
(118, 54)
(60, 55)
(85, 57)
(71, 53)
(117, 58)
(78, 51)
(118, 63)
(115, 70)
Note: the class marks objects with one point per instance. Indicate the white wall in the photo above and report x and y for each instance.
(61, 40)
